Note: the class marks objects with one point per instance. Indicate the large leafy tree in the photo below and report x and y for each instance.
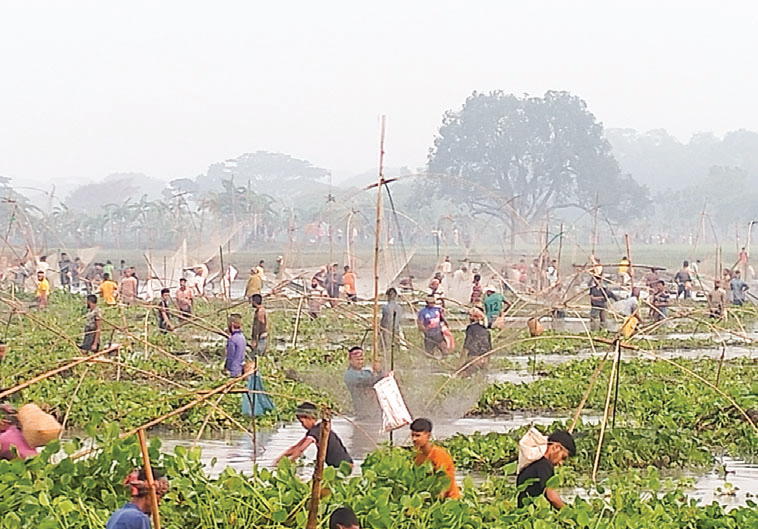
(518, 157)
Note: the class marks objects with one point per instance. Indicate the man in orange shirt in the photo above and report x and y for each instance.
(348, 280)
(421, 434)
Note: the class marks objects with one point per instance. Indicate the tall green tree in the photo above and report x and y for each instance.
(527, 155)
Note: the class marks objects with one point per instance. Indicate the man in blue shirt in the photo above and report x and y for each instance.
(136, 513)
(430, 320)
(235, 346)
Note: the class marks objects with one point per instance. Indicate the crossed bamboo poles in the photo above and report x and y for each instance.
(205, 395)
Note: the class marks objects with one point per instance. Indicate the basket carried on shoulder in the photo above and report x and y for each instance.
(37, 427)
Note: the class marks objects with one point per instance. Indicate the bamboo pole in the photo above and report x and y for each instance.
(223, 278)
(81, 360)
(721, 363)
(187, 406)
(379, 189)
(605, 412)
(72, 398)
(586, 395)
(630, 270)
(560, 251)
(594, 223)
(318, 472)
(150, 480)
(297, 321)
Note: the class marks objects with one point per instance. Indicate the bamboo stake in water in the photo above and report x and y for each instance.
(605, 412)
(297, 321)
(318, 472)
(587, 393)
(721, 363)
(150, 480)
(392, 355)
(379, 189)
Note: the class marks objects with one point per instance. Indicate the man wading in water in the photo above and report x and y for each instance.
(560, 445)
(421, 434)
(336, 452)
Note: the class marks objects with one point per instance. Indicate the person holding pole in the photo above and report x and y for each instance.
(360, 382)
(136, 513)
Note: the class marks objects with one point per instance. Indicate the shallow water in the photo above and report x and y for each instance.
(731, 489)
(236, 450)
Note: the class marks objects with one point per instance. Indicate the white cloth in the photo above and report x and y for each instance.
(395, 413)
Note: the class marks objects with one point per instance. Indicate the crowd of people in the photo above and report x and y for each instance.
(656, 292)
(331, 285)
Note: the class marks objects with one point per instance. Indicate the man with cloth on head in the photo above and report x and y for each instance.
(560, 445)
(136, 513)
(360, 382)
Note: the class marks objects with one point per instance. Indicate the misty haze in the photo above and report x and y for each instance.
(397, 265)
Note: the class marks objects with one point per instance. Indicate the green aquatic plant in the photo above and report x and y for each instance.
(389, 492)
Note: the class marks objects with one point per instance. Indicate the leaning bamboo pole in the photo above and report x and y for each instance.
(377, 234)
(318, 472)
(150, 480)
(189, 405)
(604, 421)
(65, 367)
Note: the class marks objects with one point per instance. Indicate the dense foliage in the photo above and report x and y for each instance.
(390, 492)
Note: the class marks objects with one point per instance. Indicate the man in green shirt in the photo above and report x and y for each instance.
(494, 305)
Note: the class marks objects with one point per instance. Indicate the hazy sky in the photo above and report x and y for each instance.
(166, 88)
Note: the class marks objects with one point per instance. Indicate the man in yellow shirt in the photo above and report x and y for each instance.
(108, 289)
(43, 289)
(254, 284)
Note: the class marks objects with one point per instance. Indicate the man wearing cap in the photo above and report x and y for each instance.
(494, 305)
(560, 445)
(430, 320)
(336, 452)
(360, 382)
(136, 513)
